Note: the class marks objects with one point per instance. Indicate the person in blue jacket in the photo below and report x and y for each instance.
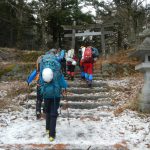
(52, 82)
(60, 54)
(51, 108)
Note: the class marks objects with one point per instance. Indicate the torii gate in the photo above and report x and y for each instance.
(98, 26)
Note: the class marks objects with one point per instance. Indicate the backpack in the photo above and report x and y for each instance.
(80, 54)
(95, 52)
(62, 55)
(53, 88)
(70, 53)
(87, 57)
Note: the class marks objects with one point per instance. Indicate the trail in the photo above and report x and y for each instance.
(93, 123)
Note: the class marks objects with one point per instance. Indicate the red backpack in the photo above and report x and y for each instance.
(88, 55)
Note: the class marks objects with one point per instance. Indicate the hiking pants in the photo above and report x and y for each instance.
(88, 69)
(82, 72)
(70, 70)
(63, 66)
(39, 100)
(51, 109)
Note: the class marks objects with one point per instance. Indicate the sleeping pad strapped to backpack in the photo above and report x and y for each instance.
(31, 76)
(53, 88)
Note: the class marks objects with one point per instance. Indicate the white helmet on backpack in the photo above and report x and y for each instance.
(47, 75)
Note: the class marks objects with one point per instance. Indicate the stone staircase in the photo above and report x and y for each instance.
(81, 103)
(80, 97)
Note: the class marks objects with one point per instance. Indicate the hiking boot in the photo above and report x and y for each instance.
(72, 78)
(90, 84)
(83, 78)
(38, 115)
(51, 139)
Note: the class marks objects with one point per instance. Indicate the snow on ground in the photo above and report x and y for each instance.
(109, 130)
(105, 129)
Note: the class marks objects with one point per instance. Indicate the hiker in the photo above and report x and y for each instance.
(51, 84)
(39, 96)
(35, 76)
(71, 63)
(81, 64)
(89, 56)
(39, 99)
(60, 53)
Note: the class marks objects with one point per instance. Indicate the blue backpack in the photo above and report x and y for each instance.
(95, 52)
(53, 88)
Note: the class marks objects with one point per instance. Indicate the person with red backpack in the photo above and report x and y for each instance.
(89, 55)
(87, 61)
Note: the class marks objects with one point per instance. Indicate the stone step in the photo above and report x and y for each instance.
(84, 84)
(79, 78)
(77, 97)
(87, 90)
(101, 106)
(94, 75)
(75, 113)
(85, 105)
(85, 97)
(98, 78)
(79, 90)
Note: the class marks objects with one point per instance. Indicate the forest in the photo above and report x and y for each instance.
(74, 74)
(38, 24)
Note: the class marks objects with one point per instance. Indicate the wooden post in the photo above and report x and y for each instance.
(73, 35)
(103, 40)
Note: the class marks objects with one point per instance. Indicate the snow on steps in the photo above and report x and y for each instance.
(79, 96)
(86, 105)
(84, 84)
(87, 90)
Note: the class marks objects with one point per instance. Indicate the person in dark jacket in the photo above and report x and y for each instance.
(39, 99)
(60, 54)
(81, 64)
(71, 63)
(51, 109)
